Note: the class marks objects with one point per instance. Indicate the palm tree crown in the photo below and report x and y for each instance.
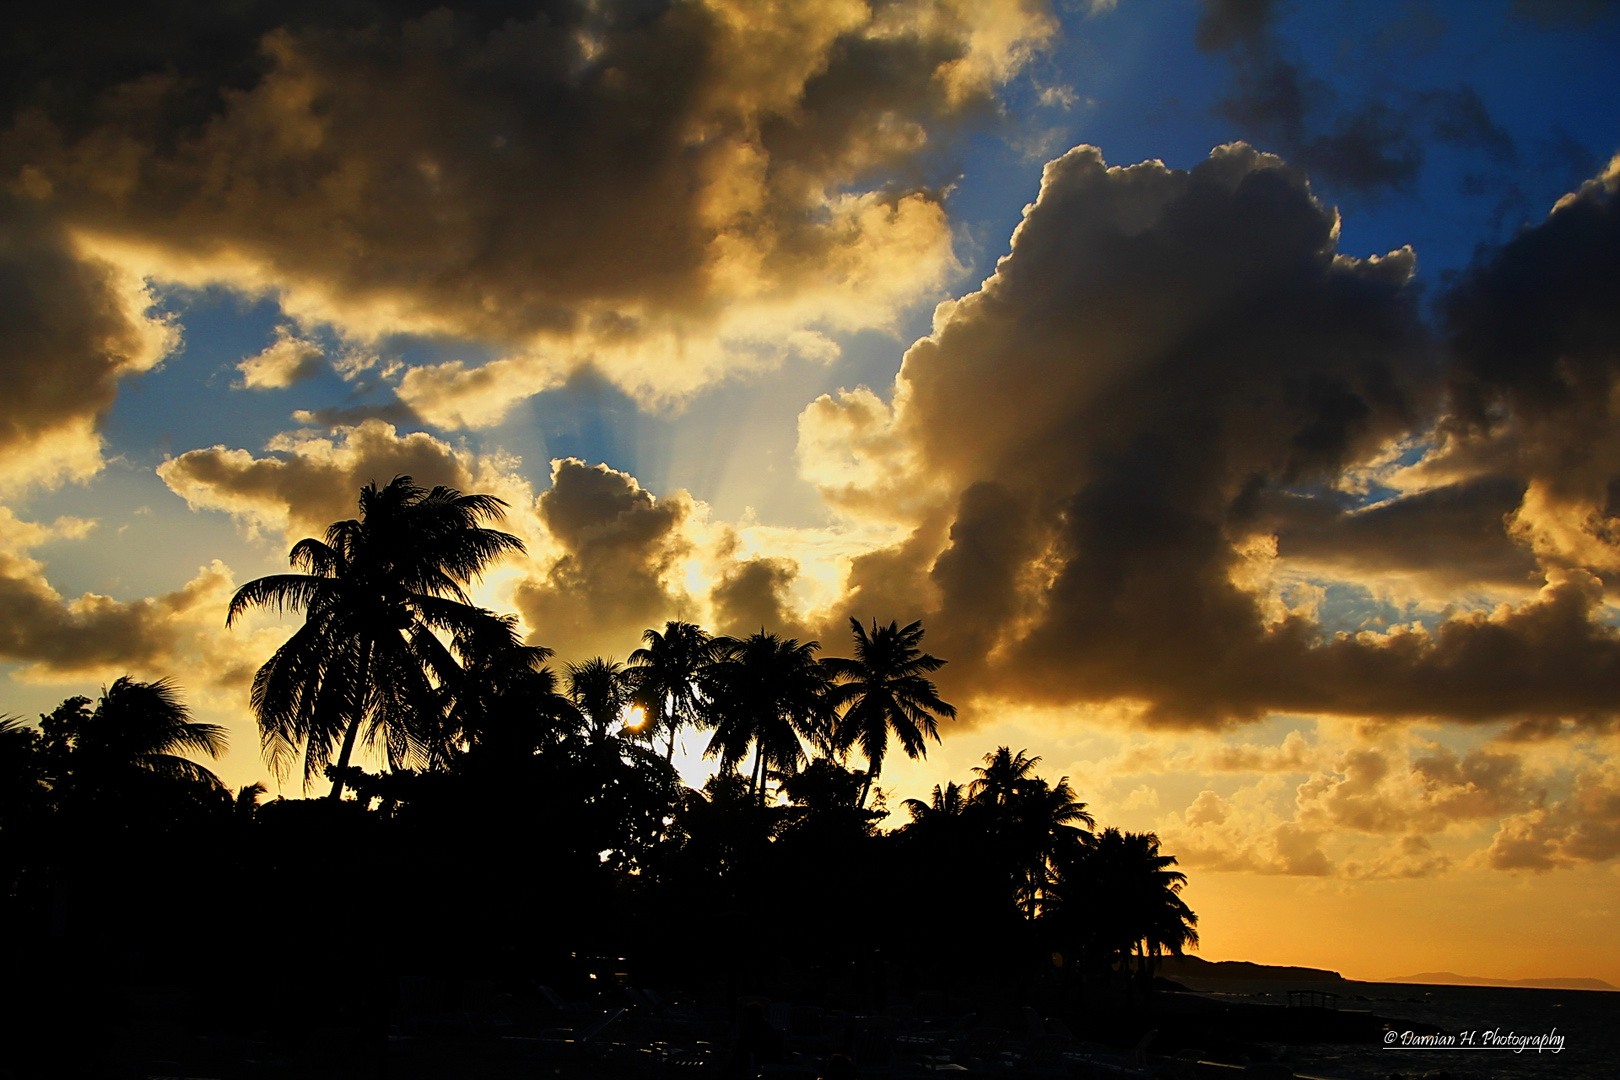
(884, 690)
(1004, 775)
(768, 693)
(147, 728)
(502, 699)
(1118, 893)
(602, 690)
(949, 802)
(372, 593)
(668, 672)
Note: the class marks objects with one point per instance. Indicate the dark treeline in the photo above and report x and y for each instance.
(529, 826)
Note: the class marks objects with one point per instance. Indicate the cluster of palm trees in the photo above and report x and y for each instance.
(393, 653)
(540, 799)
(1098, 896)
(131, 746)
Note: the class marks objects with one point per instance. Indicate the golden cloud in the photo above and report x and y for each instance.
(71, 325)
(667, 196)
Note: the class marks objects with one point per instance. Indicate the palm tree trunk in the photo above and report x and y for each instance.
(872, 770)
(336, 793)
(362, 675)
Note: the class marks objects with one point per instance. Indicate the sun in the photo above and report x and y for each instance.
(633, 717)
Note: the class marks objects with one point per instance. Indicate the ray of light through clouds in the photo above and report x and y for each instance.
(1231, 388)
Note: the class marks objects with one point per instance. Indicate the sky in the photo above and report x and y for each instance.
(1230, 387)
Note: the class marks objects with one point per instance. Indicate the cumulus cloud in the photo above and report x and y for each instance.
(93, 635)
(657, 190)
(848, 448)
(1294, 754)
(1388, 802)
(618, 562)
(613, 560)
(1164, 387)
(1535, 337)
(283, 362)
(1243, 834)
(1583, 827)
(1452, 536)
(753, 595)
(1382, 791)
(70, 326)
(307, 481)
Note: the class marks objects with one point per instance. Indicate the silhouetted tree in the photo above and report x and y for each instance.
(948, 804)
(668, 671)
(139, 729)
(373, 593)
(884, 690)
(1034, 822)
(22, 769)
(767, 693)
(1003, 775)
(502, 699)
(1115, 900)
(602, 690)
(1042, 823)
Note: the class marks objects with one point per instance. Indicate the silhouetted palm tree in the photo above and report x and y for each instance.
(948, 802)
(1004, 774)
(246, 803)
(22, 772)
(767, 693)
(602, 690)
(1117, 899)
(503, 698)
(885, 689)
(1164, 923)
(372, 594)
(1043, 823)
(1034, 822)
(143, 728)
(668, 671)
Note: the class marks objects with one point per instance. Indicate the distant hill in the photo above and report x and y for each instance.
(1181, 967)
(1451, 978)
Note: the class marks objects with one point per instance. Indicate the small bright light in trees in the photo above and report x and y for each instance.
(633, 717)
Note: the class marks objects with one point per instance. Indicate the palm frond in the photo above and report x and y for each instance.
(282, 592)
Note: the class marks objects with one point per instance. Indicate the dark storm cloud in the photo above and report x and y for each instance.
(586, 176)
(1372, 146)
(1137, 398)
(1536, 331)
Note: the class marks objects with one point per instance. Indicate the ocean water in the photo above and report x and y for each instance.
(1589, 1021)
